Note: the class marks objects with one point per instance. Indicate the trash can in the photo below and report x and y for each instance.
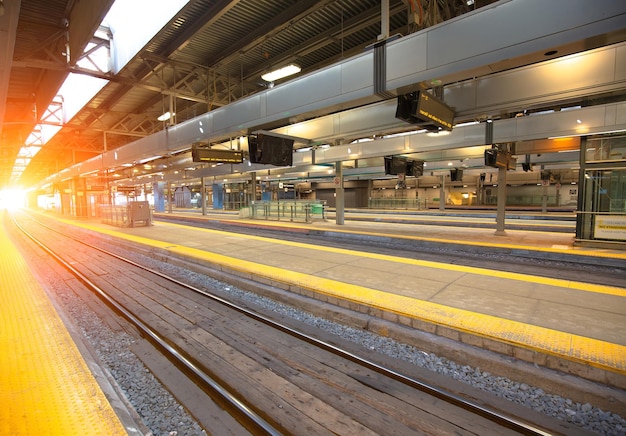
(317, 209)
(139, 211)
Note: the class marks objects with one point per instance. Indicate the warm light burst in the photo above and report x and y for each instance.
(12, 199)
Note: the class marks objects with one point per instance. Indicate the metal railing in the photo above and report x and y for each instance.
(396, 203)
(292, 210)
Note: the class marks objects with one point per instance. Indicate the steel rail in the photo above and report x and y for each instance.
(250, 415)
(513, 423)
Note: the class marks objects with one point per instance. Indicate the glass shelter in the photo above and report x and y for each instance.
(602, 203)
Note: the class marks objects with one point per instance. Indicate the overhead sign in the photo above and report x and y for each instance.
(216, 155)
(499, 159)
(432, 109)
(422, 108)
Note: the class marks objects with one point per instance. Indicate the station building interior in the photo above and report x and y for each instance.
(529, 105)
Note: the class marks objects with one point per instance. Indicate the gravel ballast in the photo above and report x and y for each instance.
(163, 415)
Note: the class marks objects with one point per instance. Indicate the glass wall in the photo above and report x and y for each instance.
(603, 208)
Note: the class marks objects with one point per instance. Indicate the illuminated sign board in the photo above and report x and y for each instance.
(433, 110)
(423, 109)
(216, 156)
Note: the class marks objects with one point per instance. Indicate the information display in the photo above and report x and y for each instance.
(434, 110)
(422, 108)
(272, 150)
(216, 155)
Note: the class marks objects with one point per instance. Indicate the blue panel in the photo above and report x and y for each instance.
(159, 196)
(218, 196)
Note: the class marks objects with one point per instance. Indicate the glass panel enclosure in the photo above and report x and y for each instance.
(604, 208)
(608, 149)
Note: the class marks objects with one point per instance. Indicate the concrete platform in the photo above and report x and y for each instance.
(575, 327)
(46, 386)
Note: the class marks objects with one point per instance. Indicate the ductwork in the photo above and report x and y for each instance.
(505, 35)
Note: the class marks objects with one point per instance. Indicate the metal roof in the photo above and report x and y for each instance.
(210, 54)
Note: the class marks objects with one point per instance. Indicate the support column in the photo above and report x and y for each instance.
(339, 194)
(79, 197)
(501, 201)
(384, 20)
(442, 193)
(544, 196)
(170, 197)
(203, 194)
(253, 184)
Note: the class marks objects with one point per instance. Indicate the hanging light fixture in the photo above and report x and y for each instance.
(281, 73)
(166, 116)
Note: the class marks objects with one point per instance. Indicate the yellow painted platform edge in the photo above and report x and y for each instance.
(458, 319)
(486, 326)
(573, 251)
(588, 287)
(45, 391)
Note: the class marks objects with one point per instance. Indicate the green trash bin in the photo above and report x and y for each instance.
(317, 209)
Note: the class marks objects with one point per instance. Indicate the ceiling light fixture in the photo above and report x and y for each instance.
(281, 73)
(166, 116)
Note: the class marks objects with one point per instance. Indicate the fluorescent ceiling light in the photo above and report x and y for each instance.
(281, 73)
(166, 116)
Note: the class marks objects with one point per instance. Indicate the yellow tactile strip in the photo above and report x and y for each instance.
(576, 251)
(566, 345)
(46, 387)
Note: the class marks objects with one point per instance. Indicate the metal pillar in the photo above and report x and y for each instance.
(442, 193)
(501, 201)
(384, 20)
(339, 194)
(203, 194)
(253, 185)
(169, 197)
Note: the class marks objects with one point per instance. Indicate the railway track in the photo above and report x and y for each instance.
(272, 377)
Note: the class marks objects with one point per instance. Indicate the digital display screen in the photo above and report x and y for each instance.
(423, 109)
(395, 165)
(216, 156)
(272, 150)
(431, 109)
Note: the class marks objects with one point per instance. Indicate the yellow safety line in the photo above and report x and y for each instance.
(580, 286)
(576, 252)
(611, 357)
(434, 219)
(588, 287)
(46, 386)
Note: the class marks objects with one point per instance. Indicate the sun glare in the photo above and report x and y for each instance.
(12, 199)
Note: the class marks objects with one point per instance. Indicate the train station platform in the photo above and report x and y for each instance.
(574, 327)
(46, 385)
(548, 236)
